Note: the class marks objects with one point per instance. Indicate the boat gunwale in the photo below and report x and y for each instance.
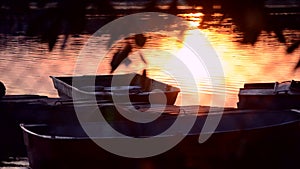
(190, 133)
(55, 79)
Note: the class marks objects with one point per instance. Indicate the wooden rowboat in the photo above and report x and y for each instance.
(243, 139)
(284, 95)
(138, 88)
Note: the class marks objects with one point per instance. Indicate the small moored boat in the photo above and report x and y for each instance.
(135, 86)
(283, 95)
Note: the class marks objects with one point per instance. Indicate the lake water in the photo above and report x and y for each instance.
(26, 64)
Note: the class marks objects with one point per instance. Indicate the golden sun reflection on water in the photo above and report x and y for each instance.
(194, 19)
(174, 62)
(266, 61)
(30, 64)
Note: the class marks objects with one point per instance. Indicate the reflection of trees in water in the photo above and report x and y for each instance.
(248, 16)
(49, 18)
(251, 17)
(68, 17)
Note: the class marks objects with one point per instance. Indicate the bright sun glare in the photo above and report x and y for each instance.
(194, 19)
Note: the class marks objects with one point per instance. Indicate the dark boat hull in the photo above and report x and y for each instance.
(29, 109)
(16, 109)
(266, 139)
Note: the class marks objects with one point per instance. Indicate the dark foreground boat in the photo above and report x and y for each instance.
(16, 109)
(32, 109)
(284, 95)
(137, 87)
(243, 139)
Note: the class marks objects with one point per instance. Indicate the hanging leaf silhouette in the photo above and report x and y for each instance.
(293, 47)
